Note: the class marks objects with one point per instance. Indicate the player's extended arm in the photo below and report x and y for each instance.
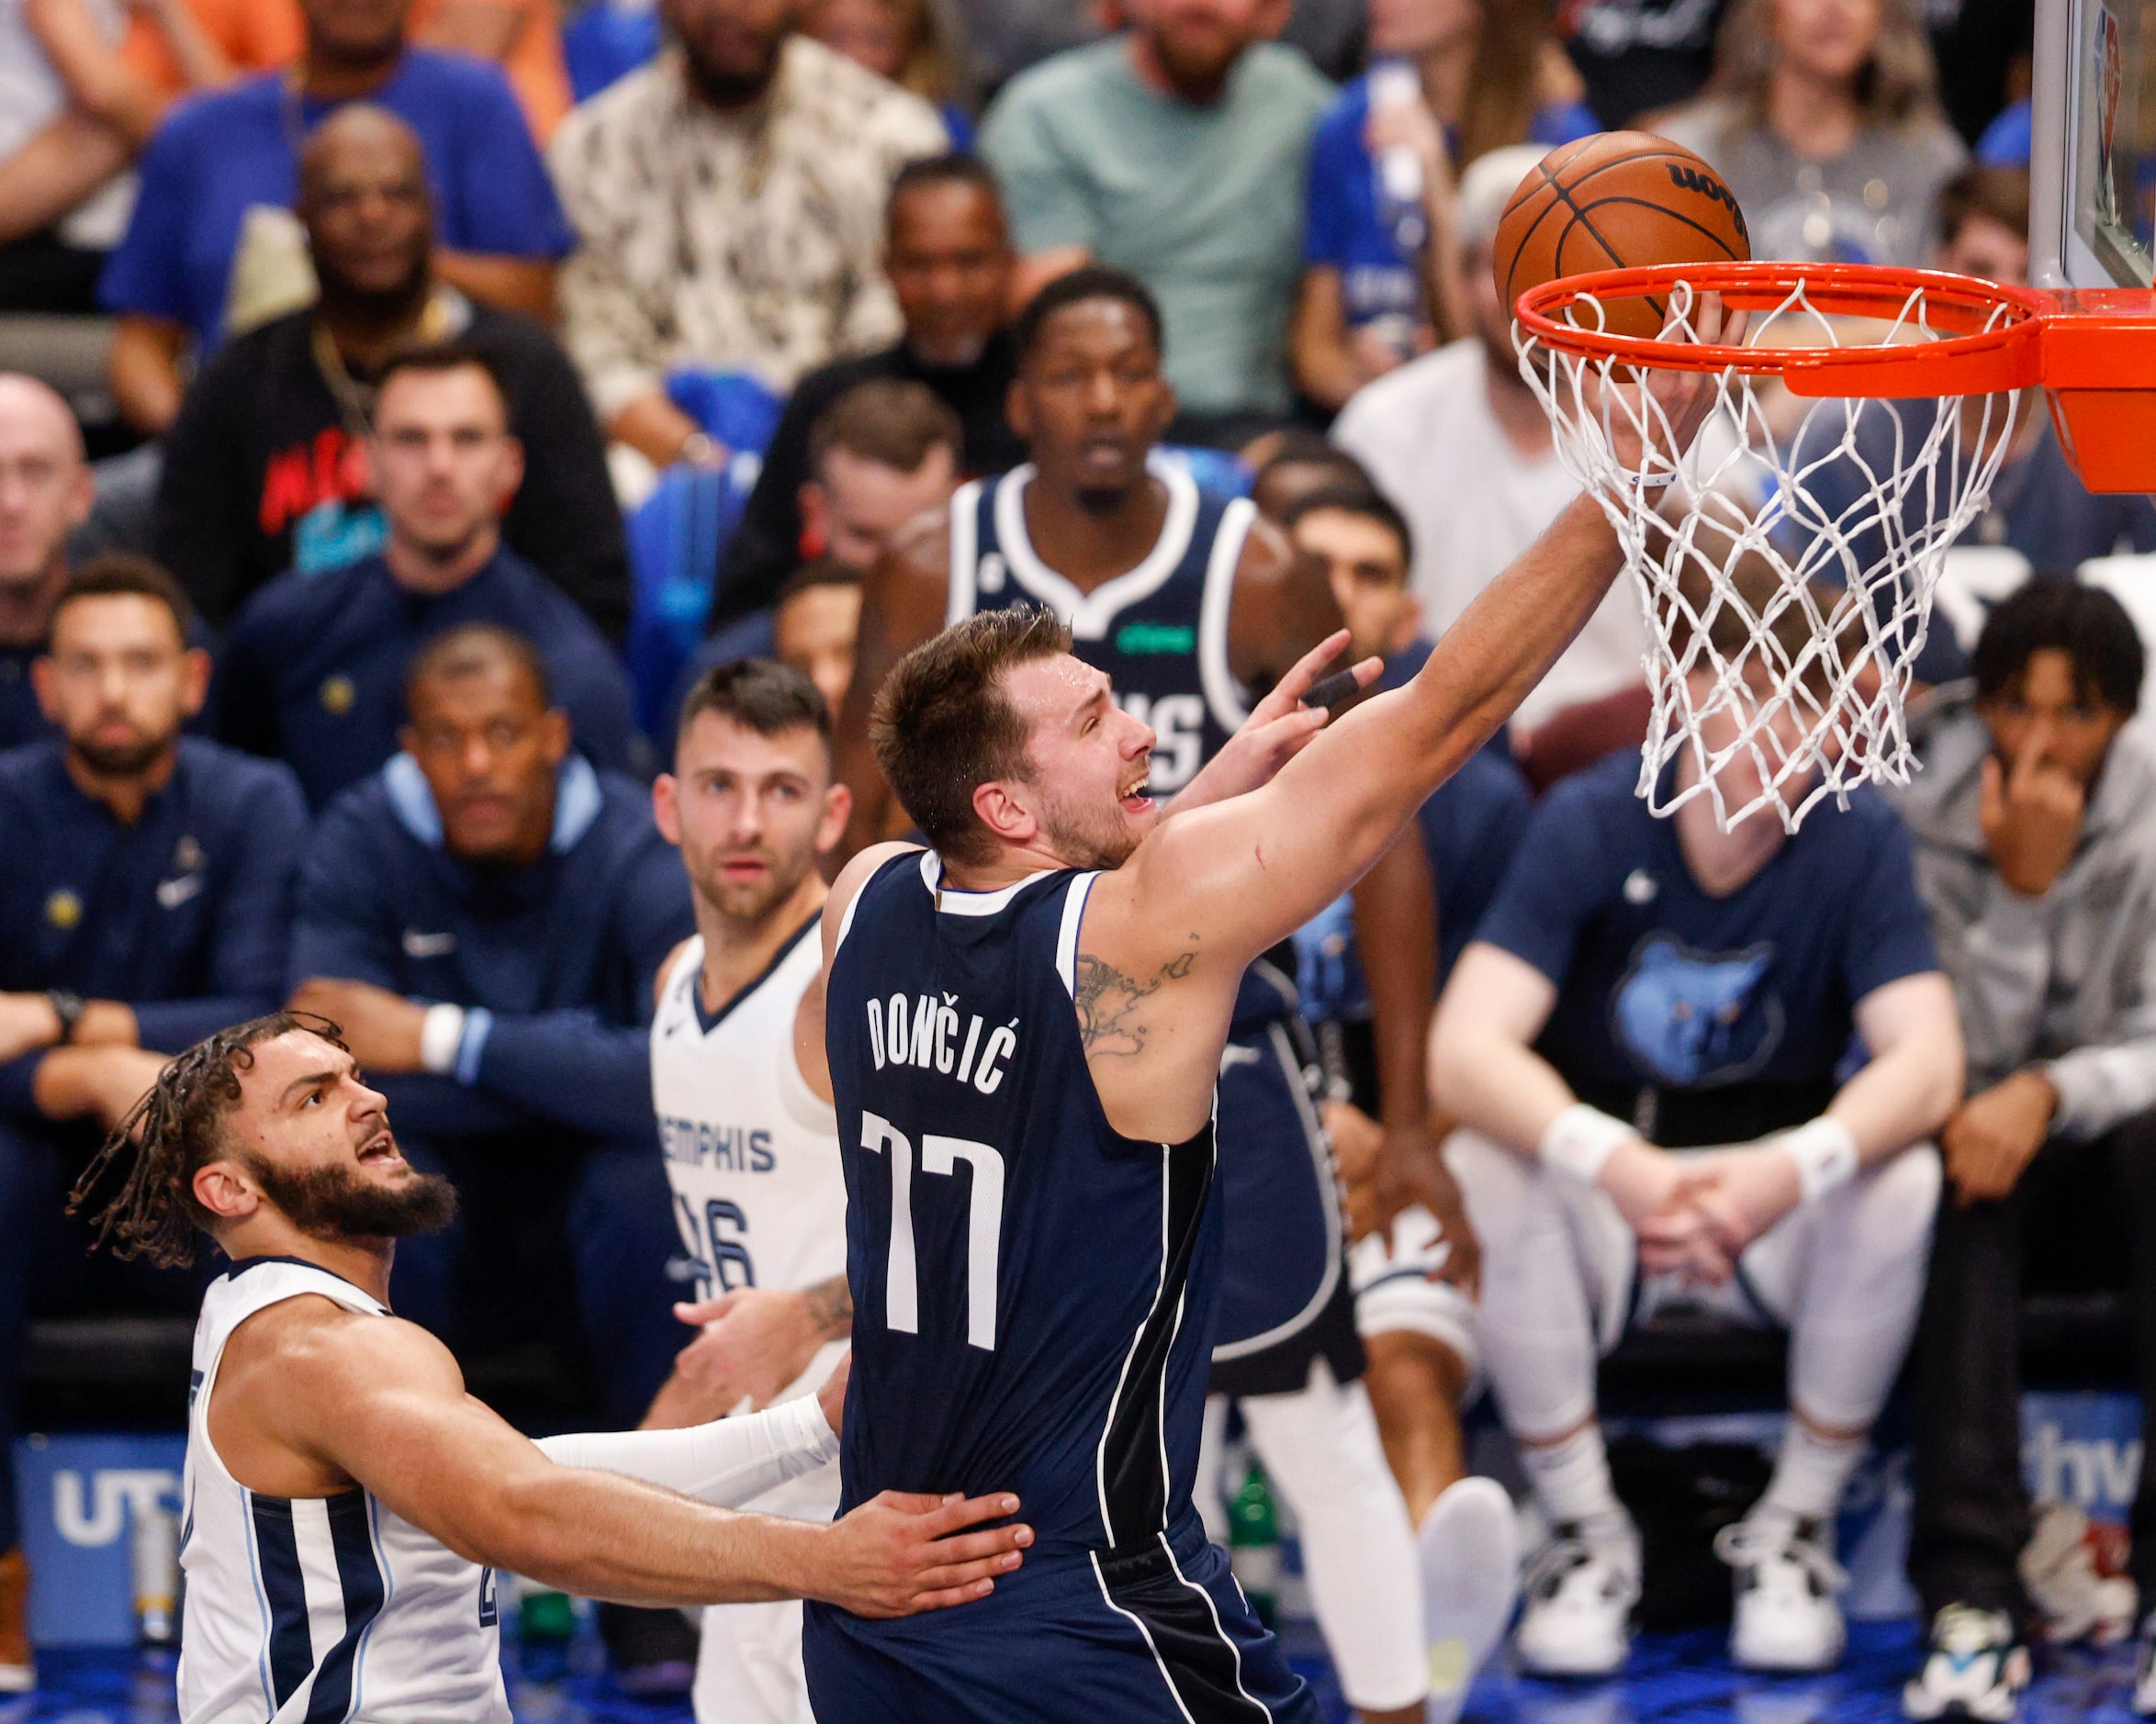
(382, 1402)
(1229, 881)
(903, 598)
(1913, 1080)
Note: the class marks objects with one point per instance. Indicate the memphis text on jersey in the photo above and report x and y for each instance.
(699, 1143)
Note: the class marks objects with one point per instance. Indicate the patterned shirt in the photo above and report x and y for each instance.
(748, 241)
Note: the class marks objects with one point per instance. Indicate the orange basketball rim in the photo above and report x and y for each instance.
(2092, 350)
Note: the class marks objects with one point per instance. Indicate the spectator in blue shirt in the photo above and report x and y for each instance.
(45, 494)
(484, 917)
(146, 903)
(313, 668)
(226, 160)
(1649, 1044)
(1453, 80)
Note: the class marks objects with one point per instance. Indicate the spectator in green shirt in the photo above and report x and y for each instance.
(1176, 151)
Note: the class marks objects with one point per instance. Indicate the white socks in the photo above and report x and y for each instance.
(1572, 1477)
(1813, 1471)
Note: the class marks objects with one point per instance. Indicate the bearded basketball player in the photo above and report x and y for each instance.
(347, 1505)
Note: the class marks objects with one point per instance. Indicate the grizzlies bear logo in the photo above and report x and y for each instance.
(1686, 1017)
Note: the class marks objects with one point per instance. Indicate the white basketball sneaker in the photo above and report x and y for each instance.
(1975, 1667)
(1470, 1549)
(1786, 1578)
(1582, 1587)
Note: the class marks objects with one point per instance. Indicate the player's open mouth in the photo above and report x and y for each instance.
(382, 1152)
(1135, 800)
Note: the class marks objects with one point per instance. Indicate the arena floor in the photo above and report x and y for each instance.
(1675, 1679)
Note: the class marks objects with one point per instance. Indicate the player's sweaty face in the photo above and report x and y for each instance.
(753, 812)
(1088, 761)
(1090, 399)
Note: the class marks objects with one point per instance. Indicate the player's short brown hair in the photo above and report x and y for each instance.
(891, 423)
(943, 725)
(761, 695)
(173, 1133)
(123, 574)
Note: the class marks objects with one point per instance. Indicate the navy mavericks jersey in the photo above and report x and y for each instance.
(1032, 1291)
(1160, 631)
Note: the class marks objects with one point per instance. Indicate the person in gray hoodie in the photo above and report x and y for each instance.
(2035, 821)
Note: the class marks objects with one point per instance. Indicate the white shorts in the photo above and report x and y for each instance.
(748, 1665)
(1394, 1293)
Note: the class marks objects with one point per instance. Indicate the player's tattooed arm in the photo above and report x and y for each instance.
(1111, 1019)
(830, 1307)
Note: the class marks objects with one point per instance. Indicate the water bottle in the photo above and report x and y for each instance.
(154, 1553)
(1253, 1544)
(1394, 84)
(546, 1624)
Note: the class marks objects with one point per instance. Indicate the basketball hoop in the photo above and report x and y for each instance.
(1785, 556)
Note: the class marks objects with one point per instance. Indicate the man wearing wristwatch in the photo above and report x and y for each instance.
(1697, 1068)
(145, 905)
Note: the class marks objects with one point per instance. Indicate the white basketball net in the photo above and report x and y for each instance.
(1784, 563)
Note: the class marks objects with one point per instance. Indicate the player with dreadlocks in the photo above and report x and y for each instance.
(347, 1504)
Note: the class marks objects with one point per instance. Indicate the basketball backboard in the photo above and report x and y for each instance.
(2092, 145)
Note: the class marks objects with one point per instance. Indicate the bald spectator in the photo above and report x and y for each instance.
(45, 494)
(212, 225)
(265, 470)
(947, 253)
(730, 199)
(314, 665)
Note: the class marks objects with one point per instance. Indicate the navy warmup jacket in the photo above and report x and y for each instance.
(185, 915)
(313, 667)
(557, 958)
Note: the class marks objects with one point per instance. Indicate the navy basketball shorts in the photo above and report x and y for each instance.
(1158, 1631)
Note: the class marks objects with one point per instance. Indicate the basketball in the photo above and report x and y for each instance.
(1618, 200)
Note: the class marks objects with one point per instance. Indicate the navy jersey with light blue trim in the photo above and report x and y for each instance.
(1160, 631)
(1033, 1292)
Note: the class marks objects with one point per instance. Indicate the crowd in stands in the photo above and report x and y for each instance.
(447, 393)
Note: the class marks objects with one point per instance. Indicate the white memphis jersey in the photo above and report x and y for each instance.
(318, 1610)
(752, 1154)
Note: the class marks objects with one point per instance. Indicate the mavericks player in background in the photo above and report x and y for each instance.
(751, 1146)
(1184, 599)
(347, 1505)
(1024, 1031)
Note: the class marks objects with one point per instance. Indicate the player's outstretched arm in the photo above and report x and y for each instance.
(382, 1403)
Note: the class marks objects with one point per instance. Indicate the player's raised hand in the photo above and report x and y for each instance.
(901, 1553)
(1279, 726)
(1652, 414)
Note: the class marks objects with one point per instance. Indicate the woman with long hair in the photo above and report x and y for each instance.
(1824, 117)
(1451, 80)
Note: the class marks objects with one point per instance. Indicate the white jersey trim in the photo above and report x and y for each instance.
(1088, 615)
(1224, 694)
(1329, 1194)
(1067, 936)
(954, 902)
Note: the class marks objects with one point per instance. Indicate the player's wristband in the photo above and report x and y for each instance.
(441, 1033)
(1579, 1140)
(1824, 1153)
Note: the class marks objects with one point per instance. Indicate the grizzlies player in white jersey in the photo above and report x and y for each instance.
(347, 1506)
(1024, 1027)
(751, 1147)
(1185, 599)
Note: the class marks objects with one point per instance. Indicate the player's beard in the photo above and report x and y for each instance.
(120, 760)
(336, 1202)
(1086, 836)
(750, 905)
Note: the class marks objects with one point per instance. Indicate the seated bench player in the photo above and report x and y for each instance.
(485, 917)
(313, 667)
(2035, 821)
(1647, 1044)
(145, 903)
